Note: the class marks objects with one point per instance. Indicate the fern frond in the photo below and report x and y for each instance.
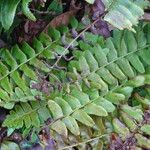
(100, 78)
(122, 58)
(93, 68)
(19, 66)
(28, 114)
(131, 124)
(26, 10)
(124, 14)
(8, 145)
(8, 11)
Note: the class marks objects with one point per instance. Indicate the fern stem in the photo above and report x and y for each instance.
(69, 45)
(84, 142)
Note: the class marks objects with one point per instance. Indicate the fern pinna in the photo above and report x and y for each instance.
(98, 80)
(124, 14)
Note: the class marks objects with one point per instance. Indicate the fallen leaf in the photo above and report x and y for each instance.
(146, 17)
(62, 19)
(31, 29)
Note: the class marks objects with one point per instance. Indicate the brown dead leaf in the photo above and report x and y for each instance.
(29, 30)
(146, 17)
(62, 19)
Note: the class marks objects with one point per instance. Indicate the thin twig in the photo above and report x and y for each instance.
(70, 44)
(81, 143)
(43, 12)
